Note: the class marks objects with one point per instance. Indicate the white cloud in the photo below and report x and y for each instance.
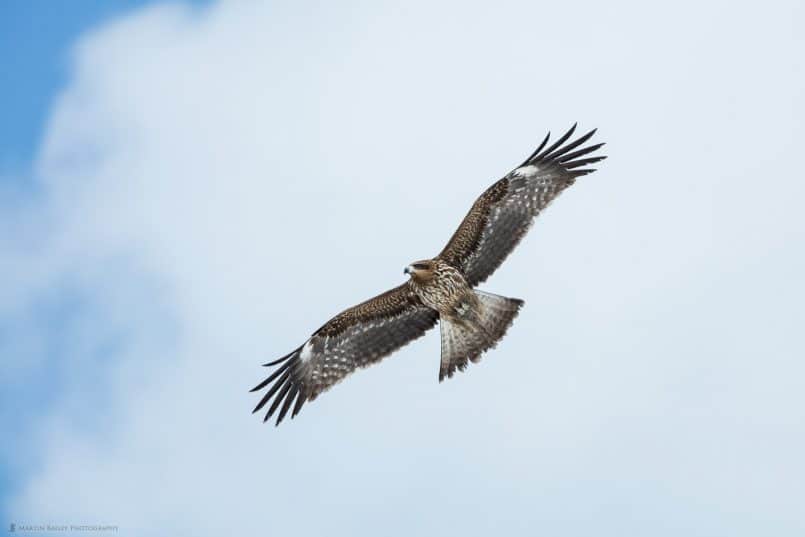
(219, 182)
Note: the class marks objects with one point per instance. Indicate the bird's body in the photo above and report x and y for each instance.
(471, 321)
(441, 289)
(440, 286)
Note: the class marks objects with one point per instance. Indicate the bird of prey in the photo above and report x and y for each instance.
(439, 289)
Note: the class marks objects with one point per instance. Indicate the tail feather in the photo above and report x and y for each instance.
(464, 341)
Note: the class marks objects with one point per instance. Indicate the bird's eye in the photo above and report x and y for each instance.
(420, 266)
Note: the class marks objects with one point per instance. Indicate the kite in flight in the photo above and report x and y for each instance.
(439, 289)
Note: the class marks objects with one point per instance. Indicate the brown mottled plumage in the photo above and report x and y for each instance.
(440, 289)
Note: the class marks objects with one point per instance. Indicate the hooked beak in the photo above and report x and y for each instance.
(408, 270)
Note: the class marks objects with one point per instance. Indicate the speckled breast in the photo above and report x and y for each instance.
(445, 290)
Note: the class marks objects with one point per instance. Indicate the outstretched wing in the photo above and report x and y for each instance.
(502, 215)
(357, 337)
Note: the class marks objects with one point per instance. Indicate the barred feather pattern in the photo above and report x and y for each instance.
(465, 340)
(356, 338)
(503, 214)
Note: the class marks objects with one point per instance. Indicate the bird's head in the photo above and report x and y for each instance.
(421, 271)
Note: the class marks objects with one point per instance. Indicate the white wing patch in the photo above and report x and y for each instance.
(526, 171)
(307, 352)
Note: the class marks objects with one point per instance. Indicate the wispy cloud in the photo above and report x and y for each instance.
(215, 183)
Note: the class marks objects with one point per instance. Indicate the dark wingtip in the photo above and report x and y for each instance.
(299, 402)
(566, 155)
(537, 150)
(557, 143)
(287, 404)
(286, 387)
(271, 377)
(283, 358)
(580, 173)
(283, 388)
(582, 162)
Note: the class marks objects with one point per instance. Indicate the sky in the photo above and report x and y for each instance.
(188, 190)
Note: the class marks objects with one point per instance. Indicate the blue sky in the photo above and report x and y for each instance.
(188, 192)
(36, 40)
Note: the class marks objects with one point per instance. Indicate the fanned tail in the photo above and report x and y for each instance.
(464, 342)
